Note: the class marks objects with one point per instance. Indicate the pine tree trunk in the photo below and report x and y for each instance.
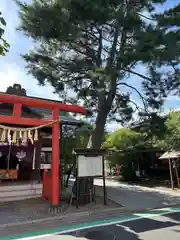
(87, 183)
(104, 109)
(97, 138)
(98, 134)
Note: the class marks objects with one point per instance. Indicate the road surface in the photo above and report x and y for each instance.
(157, 224)
(130, 196)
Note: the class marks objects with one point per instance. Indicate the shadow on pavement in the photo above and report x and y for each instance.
(174, 216)
(129, 230)
(106, 233)
(102, 235)
(144, 225)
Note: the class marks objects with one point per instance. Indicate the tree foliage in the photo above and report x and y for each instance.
(124, 139)
(165, 132)
(172, 134)
(74, 137)
(153, 130)
(92, 47)
(124, 144)
(4, 46)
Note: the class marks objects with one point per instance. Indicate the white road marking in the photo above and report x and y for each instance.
(98, 225)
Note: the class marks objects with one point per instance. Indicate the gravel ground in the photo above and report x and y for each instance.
(36, 209)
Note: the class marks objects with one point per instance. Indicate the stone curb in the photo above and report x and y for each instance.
(61, 217)
(150, 209)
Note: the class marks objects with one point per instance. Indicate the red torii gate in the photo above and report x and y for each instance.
(16, 119)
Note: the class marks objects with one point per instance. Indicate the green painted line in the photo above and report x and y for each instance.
(72, 228)
(158, 212)
(161, 211)
(174, 209)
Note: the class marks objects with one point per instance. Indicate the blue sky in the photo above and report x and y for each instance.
(12, 66)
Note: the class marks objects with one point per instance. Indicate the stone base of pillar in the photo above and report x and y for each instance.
(56, 209)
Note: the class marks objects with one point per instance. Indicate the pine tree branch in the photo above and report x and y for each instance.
(138, 92)
(99, 51)
(135, 104)
(138, 74)
(109, 65)
(113, 50)
(148, 18)
(175, 69)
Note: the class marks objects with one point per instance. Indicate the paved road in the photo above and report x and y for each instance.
(138, 198)
(157, 224)
(162, 227)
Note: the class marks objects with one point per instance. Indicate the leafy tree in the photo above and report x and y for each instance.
(92, 47)
(4, 46)
(172, 134)
(83, 135)
(167, 137)
(124, 139)
(74, 138)
(152, 128)
(124, 143)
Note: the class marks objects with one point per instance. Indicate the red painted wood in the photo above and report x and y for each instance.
(12, 99)
(12, 120)
(55, 160)
(17, 109)
(16, 119)
(45, 185)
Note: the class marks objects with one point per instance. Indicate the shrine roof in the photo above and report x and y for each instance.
(170, 155)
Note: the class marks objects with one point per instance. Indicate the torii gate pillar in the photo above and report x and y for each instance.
(55, 159)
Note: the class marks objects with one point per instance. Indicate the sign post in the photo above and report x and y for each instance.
(89, 163)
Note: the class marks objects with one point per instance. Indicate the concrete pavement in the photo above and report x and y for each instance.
(138, 198)
(156, 224)
(150, 227)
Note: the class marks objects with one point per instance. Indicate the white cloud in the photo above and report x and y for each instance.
(12, 67)
(12, 73)
(8, 77)
(10, 17)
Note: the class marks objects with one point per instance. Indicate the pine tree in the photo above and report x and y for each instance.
(4, 46)
(93, 47)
